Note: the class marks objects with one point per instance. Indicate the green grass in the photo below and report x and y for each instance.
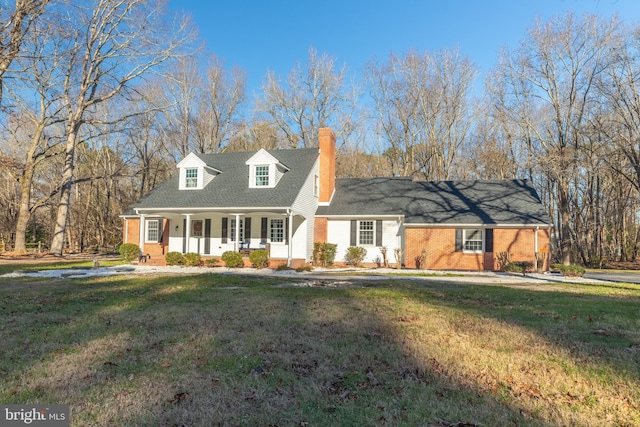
(231, 350)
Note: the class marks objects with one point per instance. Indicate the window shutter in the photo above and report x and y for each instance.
(379, 232)
(458, 240)
(160, 230)
(354, 230)
(225, 229)
(247, 229)
(488, 240)
(207, 236)
(184, 235)
(263, 230)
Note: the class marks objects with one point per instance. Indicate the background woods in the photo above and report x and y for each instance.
(101, 99)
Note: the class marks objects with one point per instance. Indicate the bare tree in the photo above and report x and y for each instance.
(111, 44)
(315, 96)
(183, 82)
(219, 107)
(422, 108)
(550, 93)
(14, 26)
(34, 95)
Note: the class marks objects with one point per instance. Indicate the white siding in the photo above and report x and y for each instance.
(305, 205)
(339, 232)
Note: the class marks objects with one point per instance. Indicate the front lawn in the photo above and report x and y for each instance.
(211, 350)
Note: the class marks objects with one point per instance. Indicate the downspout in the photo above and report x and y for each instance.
(535, 248)
(289, 235)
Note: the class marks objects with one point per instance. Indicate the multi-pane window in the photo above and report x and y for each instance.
(191, 178)
(473, 240)
(153, 230)
(277, 230)
(262, 176)
(366, 233)
(196, 228)
(233, 231)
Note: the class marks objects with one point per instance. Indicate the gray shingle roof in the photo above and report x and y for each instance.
(446, 202)
(231, 187)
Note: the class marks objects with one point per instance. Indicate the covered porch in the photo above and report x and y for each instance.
(286, 235)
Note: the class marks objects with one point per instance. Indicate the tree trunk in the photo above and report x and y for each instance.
(563, 210)
(24, 211)
(57, 243)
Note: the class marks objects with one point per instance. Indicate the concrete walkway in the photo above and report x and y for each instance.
(344, 274)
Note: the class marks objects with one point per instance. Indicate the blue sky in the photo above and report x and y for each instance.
(258, 35)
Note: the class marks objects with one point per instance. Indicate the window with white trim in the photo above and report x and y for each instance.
(316, 185)
(191, 178)
(276, 230)
(153, 230)
(196, 228)
(472, 240)
(232, 230)
(262, 175)
(366, 233)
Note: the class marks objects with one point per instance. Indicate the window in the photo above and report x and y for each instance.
(196, 228)
(473, 240)
(277, 230)
(232, 230)
(191, 178)
(262, 176)
(365, 233)
(153, 230)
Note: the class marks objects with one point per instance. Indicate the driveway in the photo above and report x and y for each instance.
(626, 277)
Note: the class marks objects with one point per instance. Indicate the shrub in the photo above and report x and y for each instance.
(282, 267)
(232, 259)
(174, 258)
(211, 262)
(192, 259)
(355, 255)
(259, 259)
(324, 253)
(305, 267)
(519, 267)
(129, 251)
(571, 270)
(502, 258)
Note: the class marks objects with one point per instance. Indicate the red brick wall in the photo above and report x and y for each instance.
(327, 145)
(520, 244)
(131, 234)
(320, 230)
(131, 231)
(439, 244)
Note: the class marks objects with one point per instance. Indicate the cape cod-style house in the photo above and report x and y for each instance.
(285, 200)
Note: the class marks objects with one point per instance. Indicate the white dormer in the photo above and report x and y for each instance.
(264, 170)
(194, 173)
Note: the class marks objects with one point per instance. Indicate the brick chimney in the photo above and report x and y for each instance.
(327, 146)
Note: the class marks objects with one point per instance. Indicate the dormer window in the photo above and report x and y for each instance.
(191, 178)
(262, 175)
(264, 170)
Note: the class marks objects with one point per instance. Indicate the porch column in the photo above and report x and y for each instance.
(187, 233)
(143, 227)
(289, 235)
(236, 237)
